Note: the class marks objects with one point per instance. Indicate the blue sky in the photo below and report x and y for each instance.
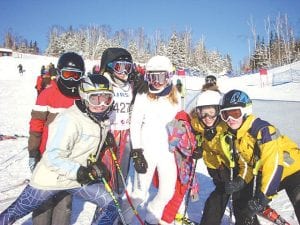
(223, 23)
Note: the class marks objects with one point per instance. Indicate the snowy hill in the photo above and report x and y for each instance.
(17, 96)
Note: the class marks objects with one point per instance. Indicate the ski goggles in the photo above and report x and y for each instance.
(157, 77)
(100, 98)
(234, 113)
(211, 112)
(71, 74)
(210, 80)
(120, 67)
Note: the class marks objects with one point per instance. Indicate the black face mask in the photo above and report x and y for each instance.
(210, 133)
(68, 88)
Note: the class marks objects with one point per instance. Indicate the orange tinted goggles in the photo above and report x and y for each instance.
(68, 74)
(234, 113)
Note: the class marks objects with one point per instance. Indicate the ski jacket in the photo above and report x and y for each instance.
(213, 155)
(73, 137)
(278, 155)
(48, 104)
(149, 120)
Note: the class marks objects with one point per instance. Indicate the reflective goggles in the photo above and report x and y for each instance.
(234, 113)
(120, 67)
(71, 74)
(211, 113)
(157, 77)
(99, 98)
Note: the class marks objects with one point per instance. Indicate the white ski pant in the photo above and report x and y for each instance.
(163, 160)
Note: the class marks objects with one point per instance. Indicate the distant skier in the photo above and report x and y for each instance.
(21, 70)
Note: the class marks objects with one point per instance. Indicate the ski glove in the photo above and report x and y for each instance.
(235, 185)
(34, 158)
(197, 153)
(93, 172)
(110, 141)
(139, 161)
(256, 205)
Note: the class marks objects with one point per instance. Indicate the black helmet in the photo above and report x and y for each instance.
(236, 98)
(92, 84)
(110, 60)
(70, 61)
(113, 54)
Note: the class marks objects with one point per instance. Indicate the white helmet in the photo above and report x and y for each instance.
(159, 72)
(209, 98)
(159, 63)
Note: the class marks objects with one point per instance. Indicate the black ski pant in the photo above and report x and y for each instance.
(217, 201)
(291, 184)
(56, 210)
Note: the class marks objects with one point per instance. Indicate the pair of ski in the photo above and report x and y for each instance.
(268, 214)
(8, 137)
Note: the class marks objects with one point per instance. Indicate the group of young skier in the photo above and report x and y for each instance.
(86, 129)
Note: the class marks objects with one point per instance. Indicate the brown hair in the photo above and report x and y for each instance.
(211, 87)
(172, 96)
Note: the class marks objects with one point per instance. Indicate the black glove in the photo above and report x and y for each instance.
(197, 153)
(256, 205)
(34, 158)
(140, 163)
(235, 185)
(92, 173)
(110, 141)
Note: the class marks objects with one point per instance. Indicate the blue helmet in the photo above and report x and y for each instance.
(236, 98)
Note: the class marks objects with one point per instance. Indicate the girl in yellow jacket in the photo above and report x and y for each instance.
(208, 125)
(273, 156)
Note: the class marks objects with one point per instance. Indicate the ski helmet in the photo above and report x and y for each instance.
(71, 68)
(92, 85)
(159, 72)
(208, 98)
(116, 58)
(236, 99)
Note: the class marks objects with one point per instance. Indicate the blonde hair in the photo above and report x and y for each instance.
(172, 96)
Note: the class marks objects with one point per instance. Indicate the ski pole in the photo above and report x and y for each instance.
(109, 190)
(124, 184)
(229, 154)
(190, 189)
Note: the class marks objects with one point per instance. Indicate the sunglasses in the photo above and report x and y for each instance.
(234, 113)
(100, 98)
(212, 113)
(120, 67)
(157, 77)
(71, 74)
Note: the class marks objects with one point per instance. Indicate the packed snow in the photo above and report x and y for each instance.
(279, 105)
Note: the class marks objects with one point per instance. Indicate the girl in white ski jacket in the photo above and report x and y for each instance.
(150, 147)
(74, 136)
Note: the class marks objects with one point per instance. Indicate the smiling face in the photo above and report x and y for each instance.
(208, 114)
(99, 101)
(233, 116)
(235, 123)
